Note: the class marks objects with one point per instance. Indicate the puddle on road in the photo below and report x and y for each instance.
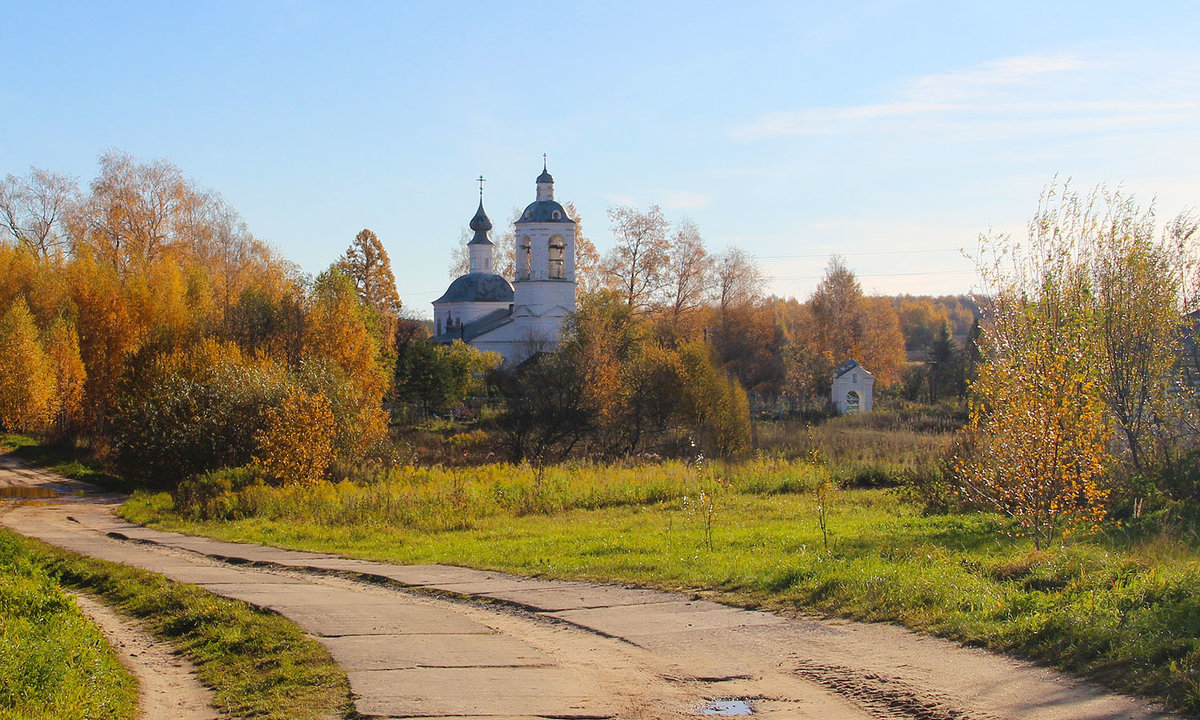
(726, 707)
(27, 491)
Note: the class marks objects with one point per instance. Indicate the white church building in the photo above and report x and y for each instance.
(524, 317)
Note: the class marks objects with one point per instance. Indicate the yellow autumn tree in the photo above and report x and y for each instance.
(296, 444)
(27, 397)
(66, 365)
(840, 323)
(1036, 446)
(342, 361)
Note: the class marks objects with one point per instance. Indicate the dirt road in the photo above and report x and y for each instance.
(439, 641)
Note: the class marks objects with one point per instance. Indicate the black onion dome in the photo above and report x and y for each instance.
(544, 211)
(477, 287)
(545, 177)
(481, 224)
(481, 221)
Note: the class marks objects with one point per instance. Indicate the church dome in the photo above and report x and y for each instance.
(477, 287)
(481, 221)
(544, 211)
(481, 224)
(545, 177)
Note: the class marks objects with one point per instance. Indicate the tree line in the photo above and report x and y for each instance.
(139, 316)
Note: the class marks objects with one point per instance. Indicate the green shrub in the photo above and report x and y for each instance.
(193, 413)
(213, 495)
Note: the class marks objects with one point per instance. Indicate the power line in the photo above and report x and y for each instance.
(865, 252)
(861, 275)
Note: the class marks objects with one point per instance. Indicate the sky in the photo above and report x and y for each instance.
(891, 133)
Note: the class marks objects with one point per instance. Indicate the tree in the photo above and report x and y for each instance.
(589, 274)
(636, 264)
(66, 364)
(947, 365)
(27, 393)
(1036, 444)
(714, 405)
(920, 320)
(737, 281)
(193, 410)
(136, 210)
(842, 324)
(343, 361)
(1137, 281)
(366, 263)
(438, 378)
(460, 256)
(34, 210)
(108, 332)
(295, 446)
(633, 393)
(544, 417)
(687, 273)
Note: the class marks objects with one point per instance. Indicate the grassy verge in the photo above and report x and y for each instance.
(1121, 608)
(54, 663)
(259, 664)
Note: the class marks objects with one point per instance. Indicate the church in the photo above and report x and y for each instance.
(524, 317)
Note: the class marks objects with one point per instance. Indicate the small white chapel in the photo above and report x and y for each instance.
(520, 318)
(853, 388)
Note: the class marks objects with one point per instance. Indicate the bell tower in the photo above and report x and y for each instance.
(544, 288)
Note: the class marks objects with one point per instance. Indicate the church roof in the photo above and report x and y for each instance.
(479, 326)
(481, 224)
(477, 287)
(544, 211)
(847, 367)
(545, 177)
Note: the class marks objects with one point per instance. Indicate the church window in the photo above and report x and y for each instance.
(557, 254)
(853, 402)
(524, 258)
(557, 215)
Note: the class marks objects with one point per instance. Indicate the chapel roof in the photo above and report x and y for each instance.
(477, 287)
(847, 367)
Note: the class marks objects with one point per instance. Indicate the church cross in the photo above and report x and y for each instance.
(481, 181)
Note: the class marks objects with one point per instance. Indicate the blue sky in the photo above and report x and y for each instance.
(891, 132)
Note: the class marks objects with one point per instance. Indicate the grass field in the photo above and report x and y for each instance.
(1122, 607)
(52, 666)
(54, 663)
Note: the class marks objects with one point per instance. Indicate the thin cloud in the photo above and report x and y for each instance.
(976, 89)
(978, 81)
(621, 200)
(683, 200)
(821, 121)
